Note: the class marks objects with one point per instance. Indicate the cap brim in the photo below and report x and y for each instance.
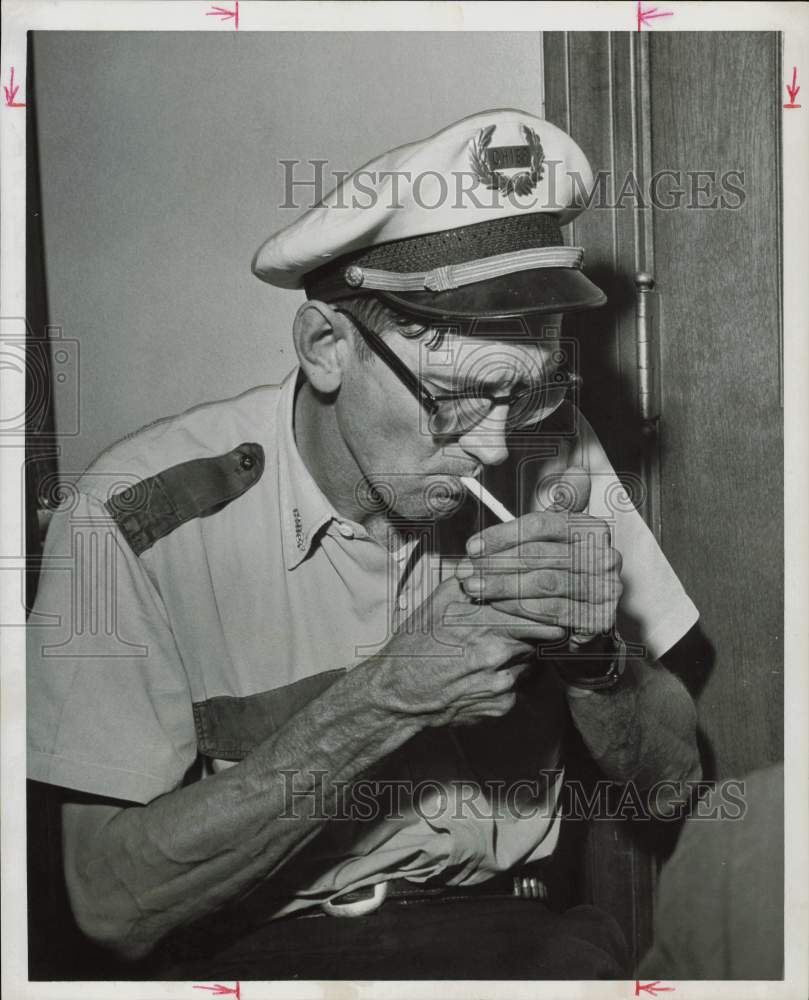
(523, 293)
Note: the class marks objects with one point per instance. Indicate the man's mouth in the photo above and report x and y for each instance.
(456, 474)
(445, 494)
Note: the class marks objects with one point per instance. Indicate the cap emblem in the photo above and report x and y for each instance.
(488, 161)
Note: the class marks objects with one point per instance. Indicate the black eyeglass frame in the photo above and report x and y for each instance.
(431, 401)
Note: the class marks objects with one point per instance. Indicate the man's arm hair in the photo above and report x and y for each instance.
(135, 873)
(643, 730)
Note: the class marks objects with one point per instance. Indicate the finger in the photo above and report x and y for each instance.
(552, 526)
(578, 556)
(514, 672)
(480, 688)
(492, 708)
(569, 490)
(580, 637)
(520, 628)
(543, 630)
(563, 615)
(593, 588)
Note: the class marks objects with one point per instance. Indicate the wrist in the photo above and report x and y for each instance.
(378, 679)
(594, 666)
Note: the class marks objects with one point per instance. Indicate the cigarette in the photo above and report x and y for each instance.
(476, 488)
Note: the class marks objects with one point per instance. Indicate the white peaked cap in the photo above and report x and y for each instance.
(463, 223)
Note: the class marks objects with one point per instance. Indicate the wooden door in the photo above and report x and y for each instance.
(721, 428)
(696, 429)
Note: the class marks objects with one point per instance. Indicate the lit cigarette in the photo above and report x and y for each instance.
(476, 488)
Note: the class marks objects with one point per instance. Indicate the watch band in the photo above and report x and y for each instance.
(598, 672)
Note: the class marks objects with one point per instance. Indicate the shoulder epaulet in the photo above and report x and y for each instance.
(154, 507)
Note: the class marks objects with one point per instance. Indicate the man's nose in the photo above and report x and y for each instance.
(486, 441)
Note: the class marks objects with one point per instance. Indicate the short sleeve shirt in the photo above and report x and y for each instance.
(145, 661)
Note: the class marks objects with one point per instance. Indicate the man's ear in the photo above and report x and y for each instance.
(322, 346)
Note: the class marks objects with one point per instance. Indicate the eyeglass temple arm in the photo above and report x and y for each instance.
(379, 347)
(429, 401)
(568, 379)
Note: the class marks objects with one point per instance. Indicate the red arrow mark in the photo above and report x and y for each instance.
(11, 93)
(651, 988)
(793, 90)
(218, 990)
(650, 14)
(225, 14)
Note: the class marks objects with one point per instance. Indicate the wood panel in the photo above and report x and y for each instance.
(712, 463)
(591, 85)
(595, 90)
(718, 300)
(715, 108)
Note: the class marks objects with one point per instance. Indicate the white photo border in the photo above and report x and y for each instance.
(792, 20)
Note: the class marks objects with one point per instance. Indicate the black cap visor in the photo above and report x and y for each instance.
(523, 293)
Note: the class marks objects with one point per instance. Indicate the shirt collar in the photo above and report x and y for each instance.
(304, 507)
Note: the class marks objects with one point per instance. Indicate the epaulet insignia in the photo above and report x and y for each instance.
(154, 507)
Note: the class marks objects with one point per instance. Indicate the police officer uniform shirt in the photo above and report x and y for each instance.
(198, 588)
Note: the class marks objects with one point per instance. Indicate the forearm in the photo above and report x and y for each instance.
(643, 730)
(150, 869)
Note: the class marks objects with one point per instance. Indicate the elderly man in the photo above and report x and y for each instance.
(329, 689)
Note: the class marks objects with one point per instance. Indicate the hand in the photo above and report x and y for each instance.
(455, 661)
(556, 566)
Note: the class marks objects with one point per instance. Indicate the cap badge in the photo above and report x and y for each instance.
(488, 161)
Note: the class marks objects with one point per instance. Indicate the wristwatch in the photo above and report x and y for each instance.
(596, 666)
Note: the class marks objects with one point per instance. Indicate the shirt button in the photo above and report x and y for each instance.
(247, 462)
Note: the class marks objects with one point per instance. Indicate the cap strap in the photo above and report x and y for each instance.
(442, 279)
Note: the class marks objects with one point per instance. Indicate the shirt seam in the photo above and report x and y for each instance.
(94, 764)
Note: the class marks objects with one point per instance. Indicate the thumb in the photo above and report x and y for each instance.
(571, 491)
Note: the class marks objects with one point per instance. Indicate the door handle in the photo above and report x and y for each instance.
(646, 344)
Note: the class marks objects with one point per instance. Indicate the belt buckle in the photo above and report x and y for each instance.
(359, 907)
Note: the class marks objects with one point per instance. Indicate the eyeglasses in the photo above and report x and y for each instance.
(456, 413)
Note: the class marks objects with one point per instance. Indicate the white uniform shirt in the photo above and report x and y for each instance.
(215, 634)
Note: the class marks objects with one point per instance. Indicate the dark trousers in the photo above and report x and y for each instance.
(467, 939)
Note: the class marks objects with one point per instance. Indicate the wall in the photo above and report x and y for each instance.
(160, 177)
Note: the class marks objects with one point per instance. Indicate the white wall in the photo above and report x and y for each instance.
(160, 177)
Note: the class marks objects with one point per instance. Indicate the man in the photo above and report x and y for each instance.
(302, 605)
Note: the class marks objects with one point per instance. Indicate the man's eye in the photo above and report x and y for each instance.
(438, 390)
(446, 390)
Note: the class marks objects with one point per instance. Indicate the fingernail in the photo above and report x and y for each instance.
(464, 569)
(475, 546)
